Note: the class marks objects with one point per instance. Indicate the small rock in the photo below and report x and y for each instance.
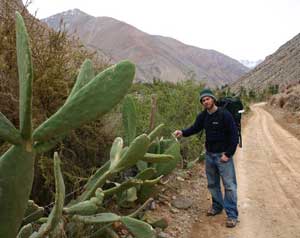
(180, 179)
(163, 235)
(155, 221)
(174, 210)
(182, 203)
(162, 223)
(153, 205)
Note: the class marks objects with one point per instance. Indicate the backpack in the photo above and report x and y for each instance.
(236, 108)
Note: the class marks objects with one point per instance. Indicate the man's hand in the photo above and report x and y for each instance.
(224, 158)
(177, 133)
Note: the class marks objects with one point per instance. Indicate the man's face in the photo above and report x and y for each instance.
(208, 102)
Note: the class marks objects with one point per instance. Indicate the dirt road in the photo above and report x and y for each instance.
(268, 170)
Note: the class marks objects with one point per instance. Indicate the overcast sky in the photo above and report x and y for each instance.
(241, 29)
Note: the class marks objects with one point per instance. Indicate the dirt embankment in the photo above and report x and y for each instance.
(285, 108)
(288, 120)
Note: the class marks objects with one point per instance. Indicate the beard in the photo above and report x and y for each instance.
(209, 106)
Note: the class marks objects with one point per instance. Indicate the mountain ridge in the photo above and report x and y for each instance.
(156, 57)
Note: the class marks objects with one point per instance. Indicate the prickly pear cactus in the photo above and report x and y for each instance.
(90, 98)
(17, 164)
(56, 213)
(129, 119)
(138, 228)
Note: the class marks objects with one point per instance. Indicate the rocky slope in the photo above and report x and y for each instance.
(156, 56)
(281, 68)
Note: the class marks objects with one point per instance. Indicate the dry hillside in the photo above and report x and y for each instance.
(156, 56)
(281, 68)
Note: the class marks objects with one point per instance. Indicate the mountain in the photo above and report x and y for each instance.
(250, 63)
(155, 56)
(281, 68)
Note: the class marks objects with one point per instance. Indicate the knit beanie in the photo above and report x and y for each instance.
(207, 93)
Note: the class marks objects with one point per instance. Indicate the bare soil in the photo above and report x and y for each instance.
(268, 171)
(190, 185)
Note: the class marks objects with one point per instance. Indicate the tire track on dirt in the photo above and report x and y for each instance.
(285, 165)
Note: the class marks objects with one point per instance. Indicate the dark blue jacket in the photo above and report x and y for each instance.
(220, 130)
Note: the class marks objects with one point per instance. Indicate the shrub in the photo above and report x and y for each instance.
(177, 107)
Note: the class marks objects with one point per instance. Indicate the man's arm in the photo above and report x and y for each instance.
(196, 127)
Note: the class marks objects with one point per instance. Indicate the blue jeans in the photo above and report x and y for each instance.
(215, 169)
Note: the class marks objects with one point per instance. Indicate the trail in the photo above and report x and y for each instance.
(268, 171)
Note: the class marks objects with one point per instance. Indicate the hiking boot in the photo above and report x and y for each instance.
(212, 212)
(231, 222)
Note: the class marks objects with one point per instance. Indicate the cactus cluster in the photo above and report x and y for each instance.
(89, 207)
(91, 97)
(86, 212)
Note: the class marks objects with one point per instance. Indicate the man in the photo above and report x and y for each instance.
(221, 142)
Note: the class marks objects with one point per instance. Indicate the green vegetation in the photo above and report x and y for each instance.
(177, 106)
(251, 95)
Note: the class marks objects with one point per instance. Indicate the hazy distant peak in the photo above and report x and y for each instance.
(251, 63)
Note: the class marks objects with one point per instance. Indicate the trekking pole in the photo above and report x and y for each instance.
(240, 126)
(240, 136)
